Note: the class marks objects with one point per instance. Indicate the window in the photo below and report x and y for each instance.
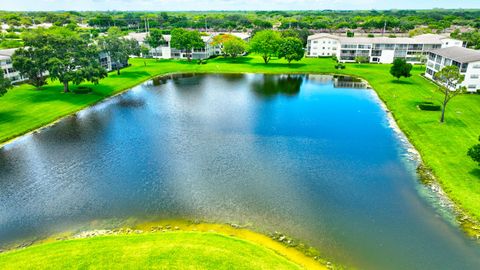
(472, 86)
(474, 76)
(315, 41)
(476, 66)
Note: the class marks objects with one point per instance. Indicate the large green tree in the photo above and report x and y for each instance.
(401, 68)
(31, 62)
(4, 83)
(234, 47)
(186, 41)
(231, 45)
(118, 48)
(266, 43)
(155, 39)
(72, 58)
(449, 79)
(291, 48)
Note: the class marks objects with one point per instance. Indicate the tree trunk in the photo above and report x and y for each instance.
(265, 59)
(118, 70)
(65, 87)
(445, 101)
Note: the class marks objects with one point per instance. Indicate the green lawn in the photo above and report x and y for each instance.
(170, 250)
(443, 146)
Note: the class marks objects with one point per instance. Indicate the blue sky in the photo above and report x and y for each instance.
(22, 5)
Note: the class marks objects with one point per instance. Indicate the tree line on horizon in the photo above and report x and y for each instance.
(397, 20)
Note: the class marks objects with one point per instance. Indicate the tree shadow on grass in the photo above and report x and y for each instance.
(279, 65)
(475, 172)
(9, 116)
(401, 82)
(238, 60)
(130, 74)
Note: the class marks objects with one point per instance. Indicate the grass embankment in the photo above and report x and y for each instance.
(443, 146)
(190, 246)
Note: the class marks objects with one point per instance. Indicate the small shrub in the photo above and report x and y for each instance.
(474, 152)
(82, 90)
(340, 66)
(202, 61)
(392, 36)
(335, 58)
(362, 59)
(429, 106)
(371, 35)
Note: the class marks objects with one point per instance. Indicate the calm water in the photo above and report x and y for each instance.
(287, 153)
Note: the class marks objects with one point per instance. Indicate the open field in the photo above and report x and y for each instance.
(443, 146)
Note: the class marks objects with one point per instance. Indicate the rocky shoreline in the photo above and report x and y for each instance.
(443, 204)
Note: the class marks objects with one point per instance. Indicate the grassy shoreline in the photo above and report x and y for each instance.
(442, 146)
(169, 242)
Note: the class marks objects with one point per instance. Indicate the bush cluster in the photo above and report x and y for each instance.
(429, 106)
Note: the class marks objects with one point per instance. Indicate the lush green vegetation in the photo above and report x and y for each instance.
(170, 250)
(443, 146)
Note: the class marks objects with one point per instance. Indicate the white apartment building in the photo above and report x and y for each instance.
(7, 67)
(467, 60)
(167, 52)
(377, 49)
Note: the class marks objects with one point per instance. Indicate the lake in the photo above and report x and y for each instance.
(312, 156)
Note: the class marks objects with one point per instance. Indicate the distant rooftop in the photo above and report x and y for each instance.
(140, 37)
(459, 54)
(7, 52)
(421, 39)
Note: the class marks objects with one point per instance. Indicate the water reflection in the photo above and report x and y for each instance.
(348, 82)
(272, 85)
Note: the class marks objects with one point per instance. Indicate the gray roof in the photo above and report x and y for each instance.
(459, 54)
(8, 52)
(421, 39)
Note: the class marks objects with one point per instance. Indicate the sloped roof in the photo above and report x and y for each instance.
(421, 39)
(8, 52)
(323, 35)
(459, 54)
